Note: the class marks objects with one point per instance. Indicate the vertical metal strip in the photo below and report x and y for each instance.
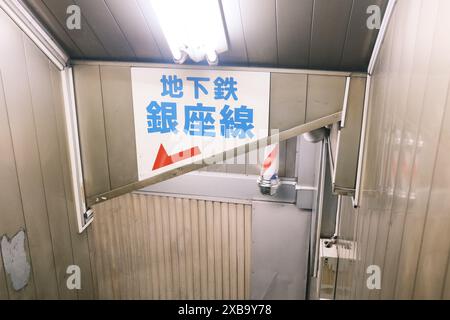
(73, 146)
(345, 105)
(362, 143)
(323, 168)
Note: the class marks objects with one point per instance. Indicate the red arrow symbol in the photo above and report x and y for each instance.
(164, 160)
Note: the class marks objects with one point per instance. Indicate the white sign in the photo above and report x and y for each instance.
(183, 116)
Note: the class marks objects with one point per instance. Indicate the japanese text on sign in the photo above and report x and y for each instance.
(235, 121)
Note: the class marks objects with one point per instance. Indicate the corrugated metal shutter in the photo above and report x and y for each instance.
(157, 247)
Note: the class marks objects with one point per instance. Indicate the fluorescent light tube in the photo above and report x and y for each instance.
(192, 27)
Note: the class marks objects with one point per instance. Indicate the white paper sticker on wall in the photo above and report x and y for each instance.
(183, 116)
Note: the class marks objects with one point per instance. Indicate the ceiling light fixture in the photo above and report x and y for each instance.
(192, 28)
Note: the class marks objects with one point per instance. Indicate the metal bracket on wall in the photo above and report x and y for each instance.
(249, 147)
(357, 196)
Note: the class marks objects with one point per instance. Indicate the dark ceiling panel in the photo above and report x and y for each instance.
(310, 34)
(360, 39)
(237, 52)
(330, 22)
(85, 38)
(294, 32)
(259, 23)
(101, 20)
(133, 24)
(39, 9)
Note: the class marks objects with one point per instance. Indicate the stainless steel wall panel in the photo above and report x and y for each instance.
(119, 125)
(418, 84)
(12, 216)
(279, 263)
(402, 221)
(287, 96)
(91, 123)
(23, 133)
(79, 242)
(435, 248)
(291, 157)
(35, 186)
(325, 96)
(432, 183)
(401, 154)
(49, 154)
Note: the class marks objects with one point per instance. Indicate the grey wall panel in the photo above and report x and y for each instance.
(34, 176)
(85, 38)
(400, 154)
(4, 295)
(12, 218)
(294, 32)
(287, 96)
(291, 157)
(279, 264)
(418, 85)
(325, 96)
(118, 110)
(102, 21)
(430, 183)
(446, 291)
(49, 153)
(259, 24)
(91, 122)
(20, 110)
(403, 214)
(133, 24)
(329, 29)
